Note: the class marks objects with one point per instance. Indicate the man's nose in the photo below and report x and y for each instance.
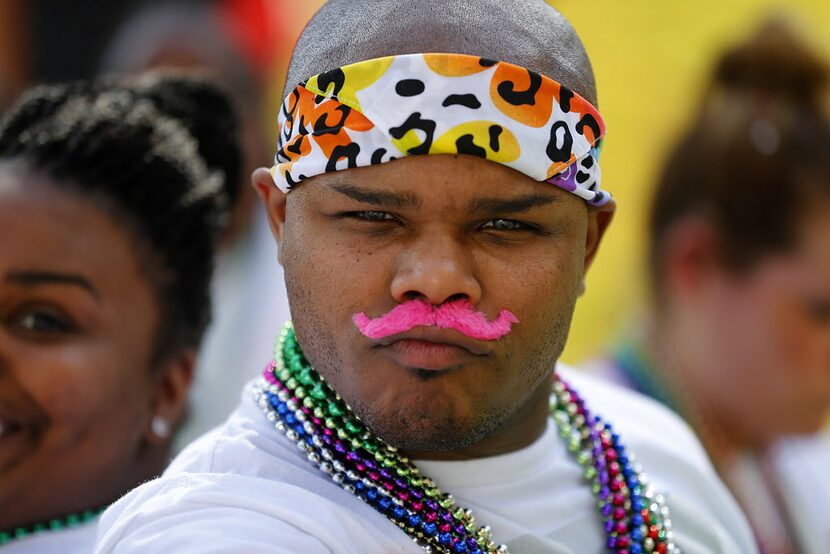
(436, 268)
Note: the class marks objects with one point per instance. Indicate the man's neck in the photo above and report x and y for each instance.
(520, 430)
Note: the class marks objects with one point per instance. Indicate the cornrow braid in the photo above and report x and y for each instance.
(162, 153)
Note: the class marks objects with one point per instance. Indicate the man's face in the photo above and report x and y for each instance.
(436, 228)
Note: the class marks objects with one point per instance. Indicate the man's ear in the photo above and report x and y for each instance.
(599, 218)
(170, 394)
(274, 201)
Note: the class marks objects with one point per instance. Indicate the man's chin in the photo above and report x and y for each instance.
(434, 432)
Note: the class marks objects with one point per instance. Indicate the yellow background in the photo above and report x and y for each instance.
(651, 61)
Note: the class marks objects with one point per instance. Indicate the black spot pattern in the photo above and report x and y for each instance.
(377, 156)
(507, 90)
(560, 153)
(565, 95)
(296, 146)
(323, 127)
(302, 127)
(416, 122)
(289, 114)
(291, 182)
(335, 76)
(466, 100)
(410, 87)
(349, 151)
(587, 120)
(465, 145)
(495, 133)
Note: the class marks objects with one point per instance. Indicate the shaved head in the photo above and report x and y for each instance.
(529, 33)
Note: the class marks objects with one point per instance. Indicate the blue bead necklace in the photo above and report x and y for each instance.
(309, 413)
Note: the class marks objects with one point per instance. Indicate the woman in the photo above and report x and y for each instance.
(249, 300)
(111, 199)
(739, 340)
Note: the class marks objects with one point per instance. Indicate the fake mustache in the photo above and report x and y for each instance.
(458, 315)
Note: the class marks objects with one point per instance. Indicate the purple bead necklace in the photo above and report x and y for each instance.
(309, 413)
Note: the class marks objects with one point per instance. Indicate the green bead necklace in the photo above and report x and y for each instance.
(301, 405)
(57, 524)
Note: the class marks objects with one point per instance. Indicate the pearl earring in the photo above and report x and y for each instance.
(160, 427)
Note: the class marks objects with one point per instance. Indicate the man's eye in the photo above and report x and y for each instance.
(373, 215)
(505, 225)
(44, 321)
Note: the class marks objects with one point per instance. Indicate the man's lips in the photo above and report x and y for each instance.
(431, 348)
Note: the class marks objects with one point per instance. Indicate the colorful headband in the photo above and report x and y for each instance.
(378, 110)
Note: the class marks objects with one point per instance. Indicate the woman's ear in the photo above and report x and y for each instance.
(170, 394)
(274, 201)
(690, 257)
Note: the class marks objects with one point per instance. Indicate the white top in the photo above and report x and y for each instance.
(798, 469)
(77, 540)
(801, 464)
(245, 488)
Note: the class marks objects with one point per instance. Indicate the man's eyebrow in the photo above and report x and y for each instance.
(36, 278)
(511, 205)
(378, 198)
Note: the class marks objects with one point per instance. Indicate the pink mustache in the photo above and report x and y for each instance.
(458, 315)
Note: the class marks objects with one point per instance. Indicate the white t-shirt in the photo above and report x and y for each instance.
(799, 468)
(802, 464)
(245, 488)
(75, 540)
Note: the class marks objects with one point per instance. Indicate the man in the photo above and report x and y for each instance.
(430, 297)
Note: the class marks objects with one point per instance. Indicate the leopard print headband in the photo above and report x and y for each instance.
(378, 110)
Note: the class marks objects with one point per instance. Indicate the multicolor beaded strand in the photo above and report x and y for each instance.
(56, 524)
(313, 416)
(303, 407)
(636, 519)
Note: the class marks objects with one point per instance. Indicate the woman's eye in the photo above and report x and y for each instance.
(42, 321)
(505, 225)
(819, 311)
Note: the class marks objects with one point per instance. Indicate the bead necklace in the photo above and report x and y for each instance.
(56, 524)
(309, 413)
(651, 365)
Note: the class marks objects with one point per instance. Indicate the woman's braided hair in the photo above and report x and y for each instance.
(161, 153)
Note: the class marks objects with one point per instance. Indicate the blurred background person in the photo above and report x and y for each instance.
(738, 341)
(238, 43)
(112, 199)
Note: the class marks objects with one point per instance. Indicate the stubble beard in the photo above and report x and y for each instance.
(426, 429)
